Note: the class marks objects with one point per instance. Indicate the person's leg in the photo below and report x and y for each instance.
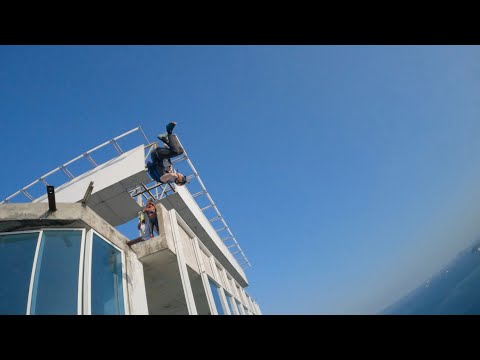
(164, 136)
(155, 225)
(174, 144)
(151, 226)
(173, 149)
(159, 154)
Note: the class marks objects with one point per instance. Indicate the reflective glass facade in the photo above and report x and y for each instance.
(107, 279)
(55, 289)
(229, 302)
(46, 267)
(216, 297)
(17, 252)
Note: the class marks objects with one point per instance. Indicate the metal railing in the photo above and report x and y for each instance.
(63, 168)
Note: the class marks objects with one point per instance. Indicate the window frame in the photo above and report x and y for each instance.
(34, 263)
(226, 310)
(35, 260)
(87, 279)
(231, 305)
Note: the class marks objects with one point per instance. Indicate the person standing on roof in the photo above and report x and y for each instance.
(161, 168)
(151, 211)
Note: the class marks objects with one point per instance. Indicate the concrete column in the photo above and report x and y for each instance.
(223, 298)
(204, 276)
(182, 265)
(137, 295)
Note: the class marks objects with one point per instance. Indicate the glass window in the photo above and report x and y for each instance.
(55, 289)
(229, 302)
(107, 278)
(17, 252)
(199, 294)
(216, 297)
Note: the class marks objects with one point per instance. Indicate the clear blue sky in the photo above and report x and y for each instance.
(348, 174)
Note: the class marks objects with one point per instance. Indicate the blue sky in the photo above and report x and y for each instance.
(348, 174)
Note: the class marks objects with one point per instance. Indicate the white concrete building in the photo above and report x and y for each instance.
(61, 254)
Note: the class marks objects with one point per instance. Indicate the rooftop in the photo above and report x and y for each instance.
(121, 186)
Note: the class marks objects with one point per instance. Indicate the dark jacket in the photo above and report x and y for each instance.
(160, 166)
(161, 156)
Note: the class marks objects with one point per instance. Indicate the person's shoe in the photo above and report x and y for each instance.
(170, 127)
(163, 137)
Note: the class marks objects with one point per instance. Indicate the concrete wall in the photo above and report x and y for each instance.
(111, 172)
(165, 293)
(185, 206)
(220, 277)
(207, 264)
(230, 286)
(188, 249)
(137, 299)
(110, 198)
(163, 283)
(191, 203)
